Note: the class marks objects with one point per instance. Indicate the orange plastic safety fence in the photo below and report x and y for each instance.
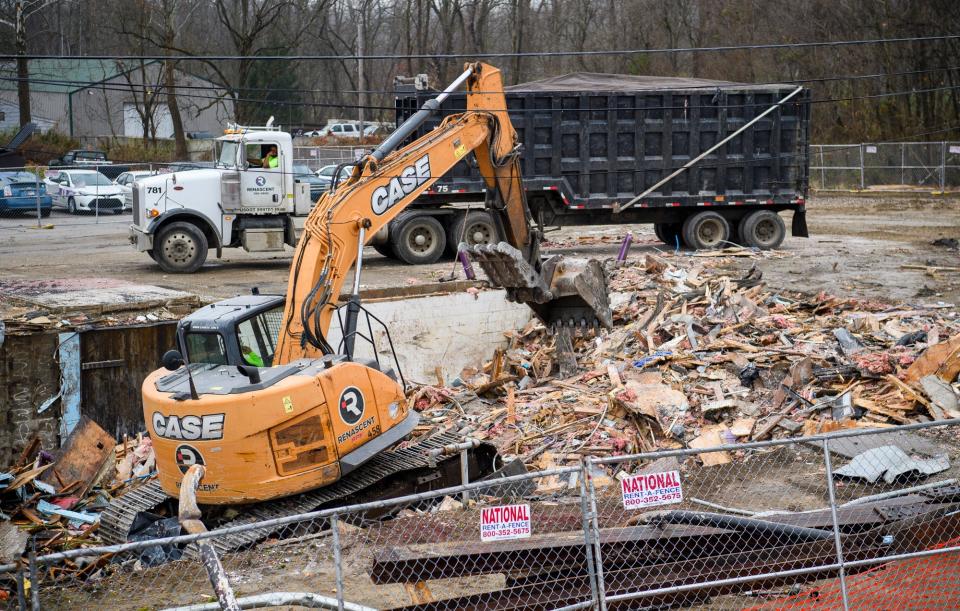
(931, 582)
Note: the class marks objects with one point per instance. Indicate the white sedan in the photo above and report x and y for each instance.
(125, 181)
(84, 191)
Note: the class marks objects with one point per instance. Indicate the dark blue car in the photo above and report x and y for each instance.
(19, 194)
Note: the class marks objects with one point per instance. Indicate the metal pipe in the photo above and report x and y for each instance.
(742, 512)
(895, 493)
(836, 524)
(279, 599)
(410, 125)
(361, 239)
(465, 475)
(625, 247)
(697, 159)
(717, 520)
(467, 266)
(595, 523)
(453, 448)
(588, 542)
(337, 560)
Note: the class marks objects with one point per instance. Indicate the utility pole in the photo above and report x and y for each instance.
(361, 34)
(23, 71)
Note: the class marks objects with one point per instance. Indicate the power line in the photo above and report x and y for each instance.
(227, 97)
(41, 80)
(531, 54)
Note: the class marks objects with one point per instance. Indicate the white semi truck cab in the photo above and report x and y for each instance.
(242, 202)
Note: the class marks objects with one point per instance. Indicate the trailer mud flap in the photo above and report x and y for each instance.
(799, 226)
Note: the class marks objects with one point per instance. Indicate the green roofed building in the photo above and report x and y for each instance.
(89, 98)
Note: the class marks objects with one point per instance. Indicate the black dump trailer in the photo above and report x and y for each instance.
(593, 142)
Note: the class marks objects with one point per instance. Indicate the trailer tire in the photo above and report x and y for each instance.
(385, 249)
(706, 230)
(419, 239)
(763, 229)
(475, 227)
(668, 233)
(180, 248)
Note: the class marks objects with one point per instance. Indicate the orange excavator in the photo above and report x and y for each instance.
(283, 420)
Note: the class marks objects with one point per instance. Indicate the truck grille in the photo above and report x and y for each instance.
(137, 210)
(106, 203)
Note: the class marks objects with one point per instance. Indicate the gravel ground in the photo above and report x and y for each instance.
(859, 243)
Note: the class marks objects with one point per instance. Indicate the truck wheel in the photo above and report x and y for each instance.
(763, 229)
(668, 233)
(473, 228)
(419, 239)
(706, 230)
(181, 248)
(385, 249)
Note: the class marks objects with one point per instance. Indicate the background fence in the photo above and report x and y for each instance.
(826, 522)
(892, 166)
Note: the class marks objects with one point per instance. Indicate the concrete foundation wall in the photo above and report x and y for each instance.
(447, 331)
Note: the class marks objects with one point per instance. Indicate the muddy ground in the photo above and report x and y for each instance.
(858, 246)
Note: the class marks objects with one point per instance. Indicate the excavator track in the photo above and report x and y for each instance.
(410, 466)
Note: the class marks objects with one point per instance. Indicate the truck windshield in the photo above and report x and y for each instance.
(227, 153)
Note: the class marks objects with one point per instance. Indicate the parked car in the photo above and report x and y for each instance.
(91, 160)
(84, 191)
(325, 174)
(347, 131)
(125, 181)
(302, 173)
(19, 194)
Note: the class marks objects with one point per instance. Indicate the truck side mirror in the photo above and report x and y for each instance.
(172, 360)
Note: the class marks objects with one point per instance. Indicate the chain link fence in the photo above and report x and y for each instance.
(835, 521)
(318, 157)
(901, 166)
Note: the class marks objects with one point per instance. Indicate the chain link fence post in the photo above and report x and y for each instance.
(595, 523)
(36, 176)
(588, 540)
(836, 523)
(943, 167)
(21, 591)
(34, 582)
(337, 558)
(862, 171)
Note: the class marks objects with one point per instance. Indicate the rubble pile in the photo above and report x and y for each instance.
(52, 501)
(703, 355)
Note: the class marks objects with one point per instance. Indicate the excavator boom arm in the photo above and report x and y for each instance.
(387, 181)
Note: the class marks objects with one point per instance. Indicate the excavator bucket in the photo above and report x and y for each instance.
(565, 292)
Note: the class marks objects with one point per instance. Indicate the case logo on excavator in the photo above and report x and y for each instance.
(351, 405)
(410, 178)
(188, 428)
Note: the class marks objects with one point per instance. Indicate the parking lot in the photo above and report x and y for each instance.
(860, 245)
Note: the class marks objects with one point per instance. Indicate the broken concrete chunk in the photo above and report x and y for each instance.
(658, 401)
(891, 463)
(941, 394)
